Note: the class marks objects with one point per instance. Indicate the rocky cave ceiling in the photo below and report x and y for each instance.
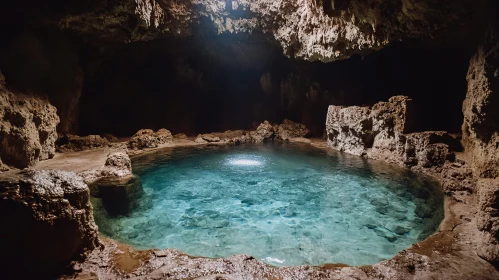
(325, 30)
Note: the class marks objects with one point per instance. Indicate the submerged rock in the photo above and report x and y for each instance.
(49, 221)
(27, 129)
(118, 194)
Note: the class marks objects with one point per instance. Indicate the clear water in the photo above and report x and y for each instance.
(283, 204)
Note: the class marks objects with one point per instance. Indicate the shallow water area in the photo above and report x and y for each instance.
(288, 204)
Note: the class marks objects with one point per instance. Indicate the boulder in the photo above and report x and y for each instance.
(50, 220)
(27, 129)
(180, 136)
(380, 132)
(75, 143)
(147, 138)
(111, 138)
(229, 136)
(265, 131)
(289, 129)
(117, 165)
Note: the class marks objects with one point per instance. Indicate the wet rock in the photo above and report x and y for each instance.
(119, 194)
(289, 129)
(147, 138)
(50, 220)
(27, 129)
(75, 143)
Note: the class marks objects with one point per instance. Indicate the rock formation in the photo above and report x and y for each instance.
(380, 133)
(481, 138)
(290, 129)
(75, 143)
(307, 29)
(27, 129)
(147, 138)
(47, 220)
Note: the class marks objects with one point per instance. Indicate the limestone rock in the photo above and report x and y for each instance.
(118, 165)
(227, 137)
(488, 219)
(49, 222)
(3, 167)
(27, 129)
(380, 133)
(119, 194)
(480, 109)
(75, 143)
(147, 138)
(308, 29)
(111, 138)
(265, 131)
(180, 136)
(289, 129)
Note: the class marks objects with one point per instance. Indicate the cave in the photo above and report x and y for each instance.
(109, 109)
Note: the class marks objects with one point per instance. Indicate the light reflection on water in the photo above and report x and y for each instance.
(283, 204)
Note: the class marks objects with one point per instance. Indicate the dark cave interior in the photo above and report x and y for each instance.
(208, 82)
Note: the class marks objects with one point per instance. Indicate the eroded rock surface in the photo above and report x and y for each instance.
(27, 129)
(481, 138)
(290, 129)
(147, 138)
(47, 220)
(75, 143)
(380, 132)
(308, 29)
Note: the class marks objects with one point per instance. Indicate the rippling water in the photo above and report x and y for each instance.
(283, 204)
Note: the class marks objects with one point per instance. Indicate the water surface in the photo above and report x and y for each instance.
(284, 204)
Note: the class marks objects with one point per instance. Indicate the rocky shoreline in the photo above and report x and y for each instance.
(448, 253)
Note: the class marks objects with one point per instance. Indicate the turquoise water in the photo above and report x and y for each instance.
(283, 204)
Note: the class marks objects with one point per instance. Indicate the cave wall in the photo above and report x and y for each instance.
(210, 82)
(45, 62)
(481, 135)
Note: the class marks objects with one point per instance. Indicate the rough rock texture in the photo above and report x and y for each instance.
(227, 137)
(27, 129)
(480, 109)
(380, 133)
(289, 129)
(147, 138)
(47, 220)
(308, 29)
(75, 143)
(481, 137)
(111, 138)
(265, 131)
(118, 194)
(118, 165)
(488, 219)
